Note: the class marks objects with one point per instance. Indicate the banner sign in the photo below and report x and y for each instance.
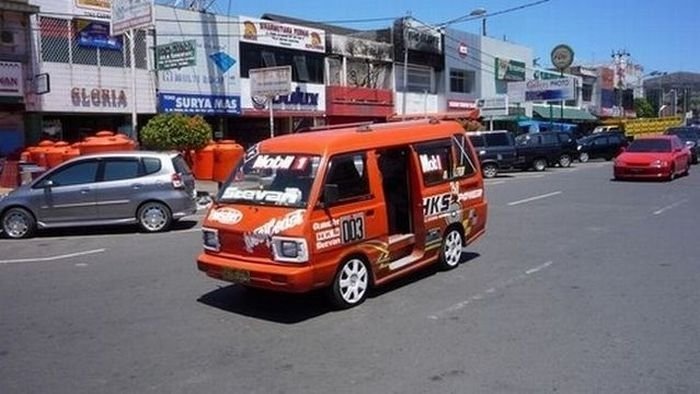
(11, 81)
(199, 104)
(264, 32)
(94, 34)
(493, 106)
(510, 70)
(176, 54)
(550, 90)
(91, 8)
(131, 14)
(270, 81)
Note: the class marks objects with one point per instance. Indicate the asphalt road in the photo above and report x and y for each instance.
(581, 285)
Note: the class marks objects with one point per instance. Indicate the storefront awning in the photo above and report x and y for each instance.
(569, 113)
(18, 6)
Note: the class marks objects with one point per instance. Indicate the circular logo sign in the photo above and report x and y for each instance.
(259, 102)
(226, 216)
(562, 56)
(463, 49)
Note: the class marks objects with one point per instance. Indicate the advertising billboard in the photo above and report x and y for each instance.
(542, 90)
(131, 14)
(265, 32)
(509, 70)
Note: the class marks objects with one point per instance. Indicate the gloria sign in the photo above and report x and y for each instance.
(264, 32)
(510, 70)
(11, 79)
(98, 98)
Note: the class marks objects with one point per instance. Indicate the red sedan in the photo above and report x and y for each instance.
(659, 157)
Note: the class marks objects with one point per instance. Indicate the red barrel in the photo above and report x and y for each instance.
(54, 154)
(38, 154)
(72, 152)
(106, 141)
(204, 162)
(227, 154)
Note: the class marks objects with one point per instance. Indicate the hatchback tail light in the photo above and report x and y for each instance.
(177, 181)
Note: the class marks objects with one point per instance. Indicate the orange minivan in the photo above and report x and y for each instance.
(346, 209)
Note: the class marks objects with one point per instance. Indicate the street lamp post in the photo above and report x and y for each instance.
(482, 13)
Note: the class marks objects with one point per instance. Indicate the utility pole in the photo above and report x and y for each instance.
(620, 61)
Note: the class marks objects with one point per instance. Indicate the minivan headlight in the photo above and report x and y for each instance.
(210, 239)
(290, 250)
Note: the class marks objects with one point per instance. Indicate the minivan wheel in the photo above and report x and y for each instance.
(154, 217)
(451, 251)
(489, 170)
(539, 164)
(583, 157)
(351, 283)
(18, 223)
(564, 160)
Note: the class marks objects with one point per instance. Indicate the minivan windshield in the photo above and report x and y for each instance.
(276, 179)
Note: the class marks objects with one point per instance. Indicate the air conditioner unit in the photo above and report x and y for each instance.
(7, 38)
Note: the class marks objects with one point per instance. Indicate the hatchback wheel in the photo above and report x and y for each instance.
(539, 164)
(154, 217)
(18, 223)
(489, 170)
(350, 284)
(565, 160)
(583, 157)
(451, 252)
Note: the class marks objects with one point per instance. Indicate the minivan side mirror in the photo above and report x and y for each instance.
(331, 194)
(47, 184)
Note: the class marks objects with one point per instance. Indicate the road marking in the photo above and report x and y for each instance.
(668, 207)
(490, 291)
(52, 258)
(535, 198)
(494, 183)
(529, 176)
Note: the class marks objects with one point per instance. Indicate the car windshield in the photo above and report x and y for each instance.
(650, 145)
(271, 179)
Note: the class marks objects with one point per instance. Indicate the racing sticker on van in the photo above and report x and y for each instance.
(327, 233)
(226, 216)
(289, 196)
(352, 228)
(274, 226)
(435, 205)
(273, 162)
(430, 163)
(466, 196)
(252, 153)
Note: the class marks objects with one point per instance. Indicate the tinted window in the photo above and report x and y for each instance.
(549, 139)
(151, 165)
(529, 139)
(181, 165)
(600, 141)
(650, 145)
(477, 140)
(436, 161)
(348, 172)
(497, 139)
(76, 174)
(615, 139)
(565, 137)
(118, 169)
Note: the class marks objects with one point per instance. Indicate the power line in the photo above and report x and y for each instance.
(469, 17)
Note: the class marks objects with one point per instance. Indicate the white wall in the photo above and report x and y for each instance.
(416, 103)
(489, 49)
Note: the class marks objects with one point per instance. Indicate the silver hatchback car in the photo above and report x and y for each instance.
(151, 189)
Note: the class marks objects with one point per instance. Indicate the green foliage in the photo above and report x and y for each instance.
(643, 108)
(176, 132)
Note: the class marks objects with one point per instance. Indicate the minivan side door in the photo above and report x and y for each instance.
(119, 189)
(71, 197)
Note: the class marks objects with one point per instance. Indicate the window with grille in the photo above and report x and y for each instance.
(462, 81)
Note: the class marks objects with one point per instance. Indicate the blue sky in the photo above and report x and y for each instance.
(660, 35)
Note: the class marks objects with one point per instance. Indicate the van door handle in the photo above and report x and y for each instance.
(136, 186)
(84, 191)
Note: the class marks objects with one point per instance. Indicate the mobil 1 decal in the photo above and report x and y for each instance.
(435, 205)
(352, 228)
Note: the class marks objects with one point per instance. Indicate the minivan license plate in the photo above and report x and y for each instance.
(235, 275)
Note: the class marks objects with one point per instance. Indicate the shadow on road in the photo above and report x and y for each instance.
(295, 308)
(86, 231)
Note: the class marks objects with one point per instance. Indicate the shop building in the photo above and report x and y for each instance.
(15, 72)
(89, 73)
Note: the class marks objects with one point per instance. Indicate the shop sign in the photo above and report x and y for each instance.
(131, 14)
(463, 50)
(493, 106)
(546, 90)
(459, 105)
(420, 37)
(359, 48)
(94, 34)
(98, 98)
(270, 81)
(11, 83)
(545, 74)
(562, 57)
(199, 104)
(92, 8)
(302, 97)
(510, 70)
(176, 54)
(264, 32)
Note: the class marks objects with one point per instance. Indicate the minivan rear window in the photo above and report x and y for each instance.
(181, 165)
(151, 165)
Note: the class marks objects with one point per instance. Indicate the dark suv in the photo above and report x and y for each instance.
(539, 150)
(496, 150)
(690, 136)
(601, 146)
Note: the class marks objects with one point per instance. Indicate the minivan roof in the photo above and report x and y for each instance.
(350, 139)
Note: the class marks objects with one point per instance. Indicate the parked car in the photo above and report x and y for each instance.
(146, 188)
(601, 146)
(662, 157)
(607, 129)
(690, 136)
(496, 150)
(539, 150)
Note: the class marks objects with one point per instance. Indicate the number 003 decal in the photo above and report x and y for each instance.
(352, 228)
